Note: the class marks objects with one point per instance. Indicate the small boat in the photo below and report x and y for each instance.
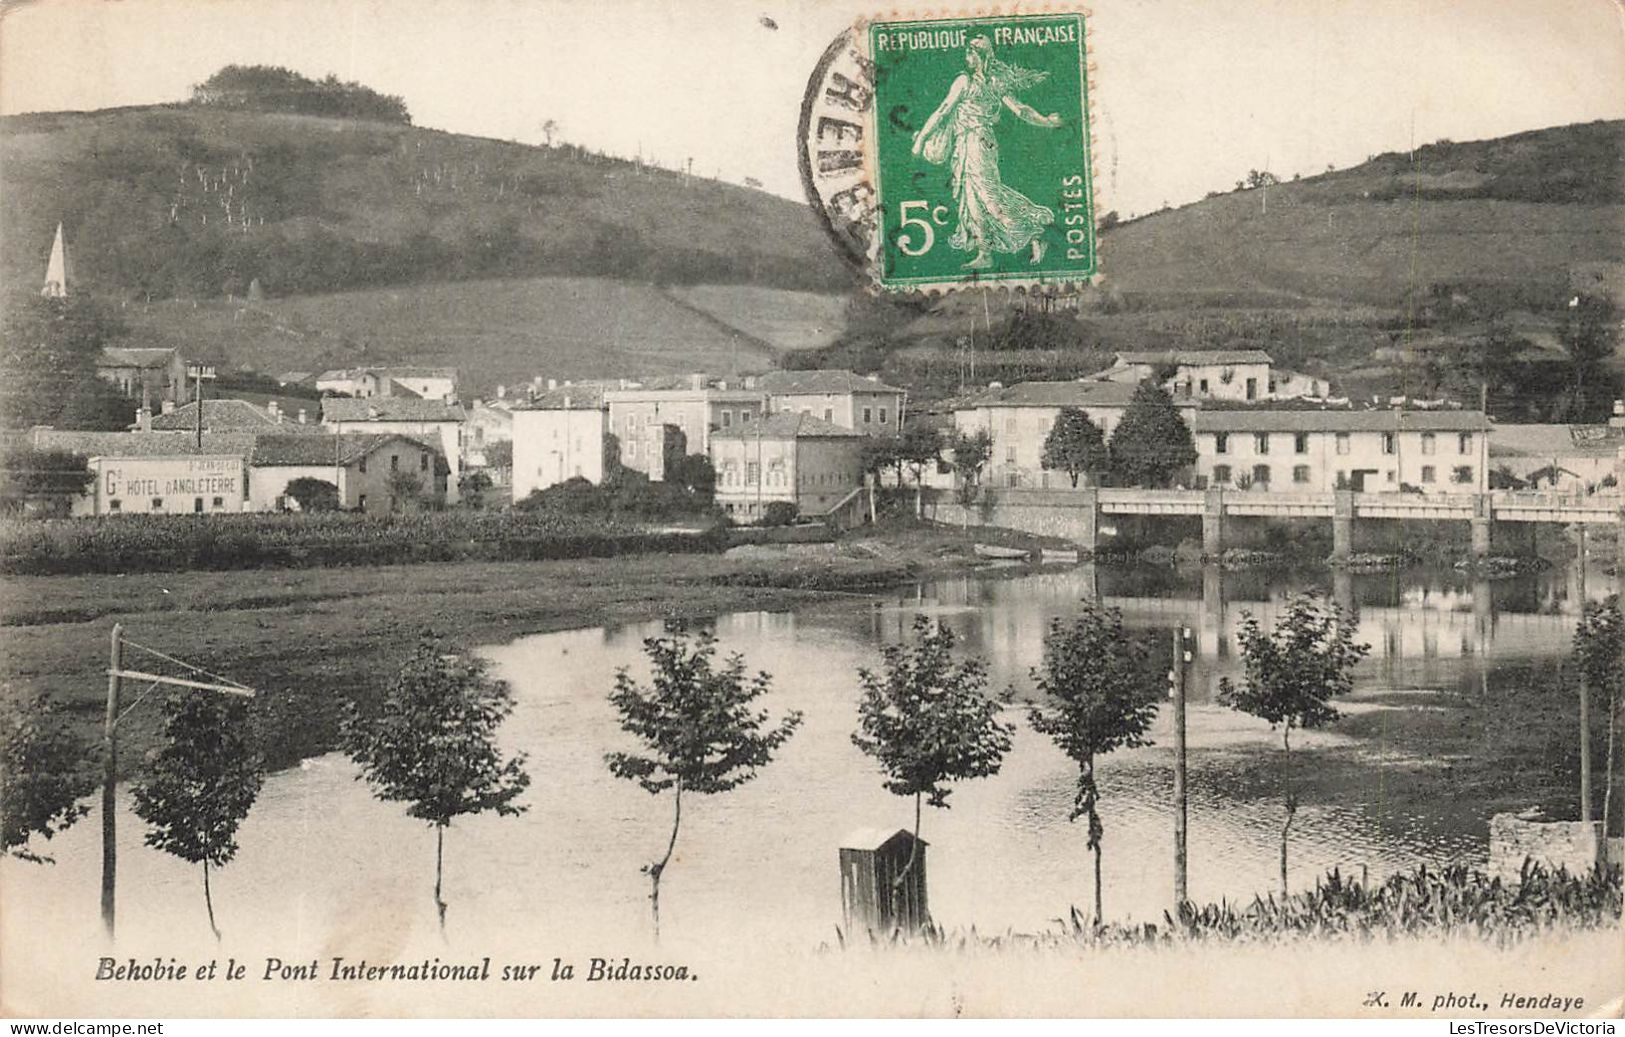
(1056, 554)
(994, 551)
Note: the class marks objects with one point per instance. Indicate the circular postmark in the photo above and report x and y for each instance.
(831, 136)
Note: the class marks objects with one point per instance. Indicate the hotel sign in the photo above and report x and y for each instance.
(173, 485)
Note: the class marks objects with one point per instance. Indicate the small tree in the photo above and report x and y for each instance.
(779, 513)
(1597, 643)
(928, 720)
(313, 494)
(405, 489)
(696, 475)
(698, 725)
(971, 454)
(1099, 694)
(1290, 675)
(1075, 445)
(499, 455)
(919, 445)
(43, 775)
(1152, 442)
(200, 784)
(55, 476)
(432, 744)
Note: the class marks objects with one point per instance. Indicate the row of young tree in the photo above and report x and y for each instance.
(927, 717)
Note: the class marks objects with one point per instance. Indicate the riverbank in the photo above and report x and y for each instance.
(312, 639)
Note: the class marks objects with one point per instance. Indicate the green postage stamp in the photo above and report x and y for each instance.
(979, 151)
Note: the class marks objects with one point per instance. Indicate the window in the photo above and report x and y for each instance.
(1462, 474)
(1203, 388)
(1342, 442)
(868, 415)
(197, 505)
(1428, 442)
(1221, 443)
(1300, 443)
(1464, 443)
(829, 415)
(1012, 479)
(727, 419)
(1388, 445)
(1261, 475)
(1252, 388)
(1428, 474)
(218, 502)
(1010, 454)
(1261, 442)
(157, 504)
(753, 473)
(745, 417)
(423, 462)
(394, 462)
(1390, 475)
(882, 415)
(1221, 473)
(115, 505)
(361, 465)
(1300, 473)
(361, 502)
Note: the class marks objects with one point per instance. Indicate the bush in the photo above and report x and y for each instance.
(778, 513)
(157, 543)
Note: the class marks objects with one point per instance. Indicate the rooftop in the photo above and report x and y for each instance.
(569, 397)
(315, 451)
(222, 416)
(788, 426)
(141, 444)
(821, 382)
(1059, 394)
(1556, 441)
(136, 356)
(1193, 357)
(389, 408)
(1261, 419)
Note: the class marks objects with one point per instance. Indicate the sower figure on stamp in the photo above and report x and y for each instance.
(993, 217)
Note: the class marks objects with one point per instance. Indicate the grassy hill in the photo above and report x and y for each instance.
(1348, 273)
(196, 203)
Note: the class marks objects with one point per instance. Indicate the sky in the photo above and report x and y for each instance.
(1188, 94)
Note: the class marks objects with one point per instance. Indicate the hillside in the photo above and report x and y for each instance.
(1358, 273)
(196, 203)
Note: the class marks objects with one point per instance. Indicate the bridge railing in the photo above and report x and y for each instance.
(1543, 499)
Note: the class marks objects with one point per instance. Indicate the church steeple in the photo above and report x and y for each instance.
(56, 270)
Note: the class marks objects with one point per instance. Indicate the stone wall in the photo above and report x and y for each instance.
(1571, 844)
(1069, 514)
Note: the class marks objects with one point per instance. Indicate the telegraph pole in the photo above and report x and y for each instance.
(1585, 700)
(115, 675)
(198, 373)
(1177, 679)
(110, 777)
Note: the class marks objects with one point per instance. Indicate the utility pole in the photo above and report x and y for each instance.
(1585, 700)
(1177, 680)
(199, 373)
(115, 675)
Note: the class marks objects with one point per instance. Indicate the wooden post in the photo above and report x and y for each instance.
(1180, 795)
(1585, 702)
(110, 779)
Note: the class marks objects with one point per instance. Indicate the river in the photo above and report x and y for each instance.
(320, 858)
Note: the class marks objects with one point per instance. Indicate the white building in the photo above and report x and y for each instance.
(1019, 418)
(558, 436)
(863, 403)
(810, 463)
(1215, 374)
(641, 418)
(360, 467)
(1369, 451)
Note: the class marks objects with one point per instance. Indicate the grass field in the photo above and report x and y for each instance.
(499, 331)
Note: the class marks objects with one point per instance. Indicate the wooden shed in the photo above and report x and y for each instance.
(871, 859)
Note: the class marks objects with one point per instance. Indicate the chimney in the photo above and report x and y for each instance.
(301, 415)
(168, 406)
(552, 383)
(621, 382)
(566, 402)
(143, 419)
(502, 392)
(750, 381)
(723, 385)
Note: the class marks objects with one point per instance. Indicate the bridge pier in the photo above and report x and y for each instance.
(1482, 521)
(1342, 524)
(1088, 531)
(1213, 522)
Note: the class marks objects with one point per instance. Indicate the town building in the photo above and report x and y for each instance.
(487, 424)
(363, 468)
(429, 383)
(811, 463)
(139, 473)
(560, 435)
(225, 416)
(436, 422)
(1019, 418)
(840, 397)
(1316, 450)
(149, 374)
(1215, 374)
(642, 419)
(1560, 458)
